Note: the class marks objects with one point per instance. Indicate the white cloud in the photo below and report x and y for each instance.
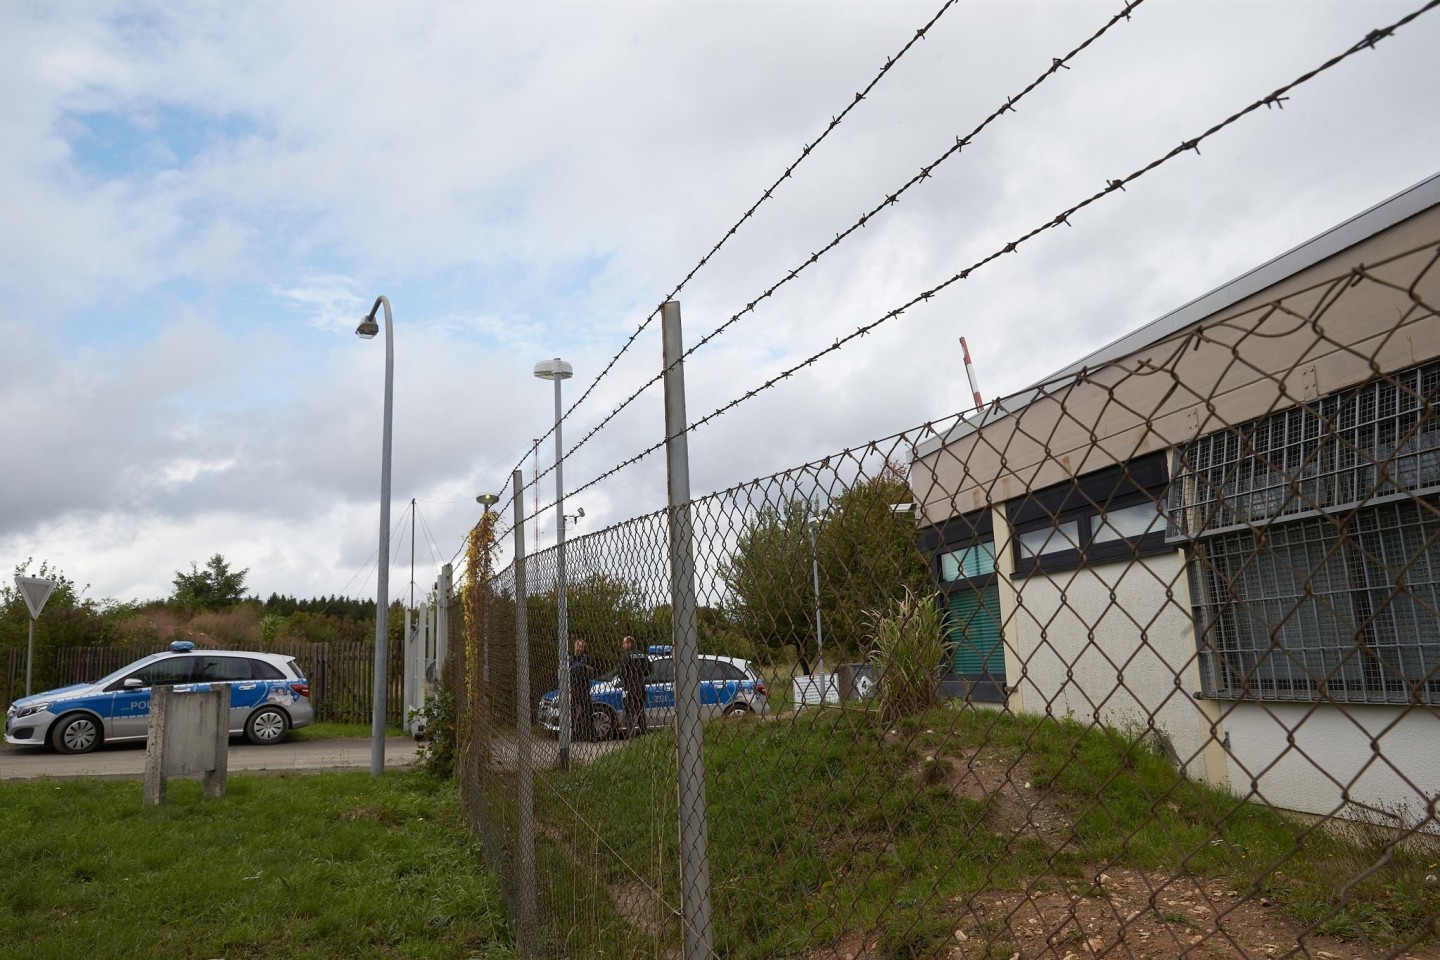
(180, 376)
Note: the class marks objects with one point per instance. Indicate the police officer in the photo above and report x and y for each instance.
(634, 669)
(582, 669)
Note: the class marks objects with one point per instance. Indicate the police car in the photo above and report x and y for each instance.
(728, 687)
(269, 696)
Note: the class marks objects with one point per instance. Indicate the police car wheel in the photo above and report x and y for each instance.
(77, 734)
(737, 710)
(267, 725)
(603, 720)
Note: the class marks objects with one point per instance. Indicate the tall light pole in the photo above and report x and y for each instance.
(811, 523)
(557, 370)
(366, 331)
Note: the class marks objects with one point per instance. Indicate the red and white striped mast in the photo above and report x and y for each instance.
(970, 372)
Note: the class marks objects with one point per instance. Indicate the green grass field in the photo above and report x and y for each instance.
(332, 731)
(326, 866)
(830, 824)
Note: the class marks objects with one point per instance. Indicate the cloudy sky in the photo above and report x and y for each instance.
(203, 198)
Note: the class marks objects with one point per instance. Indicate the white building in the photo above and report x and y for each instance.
(1225, 527)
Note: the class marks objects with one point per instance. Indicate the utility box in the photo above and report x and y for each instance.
(189, 733)
(857, 681)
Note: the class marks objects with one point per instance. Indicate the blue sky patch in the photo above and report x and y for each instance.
(113, 144)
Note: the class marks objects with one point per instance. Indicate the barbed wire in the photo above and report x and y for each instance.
(769, 192)
(1056, 65)
(1274, 99)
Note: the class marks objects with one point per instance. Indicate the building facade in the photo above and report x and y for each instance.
(1224, 528)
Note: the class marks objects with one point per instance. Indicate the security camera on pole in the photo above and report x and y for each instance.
(35, 591)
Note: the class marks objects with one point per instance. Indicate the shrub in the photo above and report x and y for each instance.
(440, 751)
(236, 628)
(909, 646)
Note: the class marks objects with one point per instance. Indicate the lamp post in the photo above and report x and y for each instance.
(366, 331)
(557, 370)
(811, 524)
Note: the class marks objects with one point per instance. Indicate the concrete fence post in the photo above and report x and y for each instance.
(696, 921)
(525, 867)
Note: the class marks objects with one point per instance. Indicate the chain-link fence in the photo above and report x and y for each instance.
(1141, 662)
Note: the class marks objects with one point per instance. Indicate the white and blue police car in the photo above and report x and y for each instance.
(269, 696)
(729, 687)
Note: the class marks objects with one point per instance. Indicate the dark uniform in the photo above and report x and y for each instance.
(582, 722)
(634, 669)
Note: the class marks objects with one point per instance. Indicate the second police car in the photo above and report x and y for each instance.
(729, 686)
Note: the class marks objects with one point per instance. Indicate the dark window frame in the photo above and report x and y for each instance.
(1084, 501)
(958, 533)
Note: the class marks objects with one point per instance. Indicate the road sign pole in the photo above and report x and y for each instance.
(35, 591)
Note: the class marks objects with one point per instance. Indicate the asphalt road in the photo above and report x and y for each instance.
(128, 759)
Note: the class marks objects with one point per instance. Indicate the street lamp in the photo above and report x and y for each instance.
(557, 370)
(819, 633)
(487, 500)
(366, 331)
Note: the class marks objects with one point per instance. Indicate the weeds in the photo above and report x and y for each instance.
(909, 645)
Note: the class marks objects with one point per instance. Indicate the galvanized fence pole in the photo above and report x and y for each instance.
(525, 855)
(562, 622)
(696, 920)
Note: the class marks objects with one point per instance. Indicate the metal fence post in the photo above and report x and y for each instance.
(444, 589)
(525, 855)
(696, 917)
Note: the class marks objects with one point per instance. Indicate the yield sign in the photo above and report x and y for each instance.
(35, 591)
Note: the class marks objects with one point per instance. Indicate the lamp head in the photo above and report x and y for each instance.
(368, 328)
(580, 512)
(556, 369)
(487, 500)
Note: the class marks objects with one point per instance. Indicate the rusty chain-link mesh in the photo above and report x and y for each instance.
(1141, 662)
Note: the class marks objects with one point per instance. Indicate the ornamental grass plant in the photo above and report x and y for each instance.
(908, 647)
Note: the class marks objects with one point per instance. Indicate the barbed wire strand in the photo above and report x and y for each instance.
(769, 192)
(1056, 65)
(1274, 99)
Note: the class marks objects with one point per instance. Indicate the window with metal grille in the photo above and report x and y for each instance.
(1313, 558)
(1373, 442)
(1344, 608)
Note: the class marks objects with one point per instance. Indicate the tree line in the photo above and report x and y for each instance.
(210, 601)
(763, 595)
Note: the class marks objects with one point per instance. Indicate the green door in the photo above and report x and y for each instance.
(975, 631)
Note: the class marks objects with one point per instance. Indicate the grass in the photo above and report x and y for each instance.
(829, 823)
(336, 731)
(335, 865)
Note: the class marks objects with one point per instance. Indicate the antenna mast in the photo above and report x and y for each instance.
(970, 372)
